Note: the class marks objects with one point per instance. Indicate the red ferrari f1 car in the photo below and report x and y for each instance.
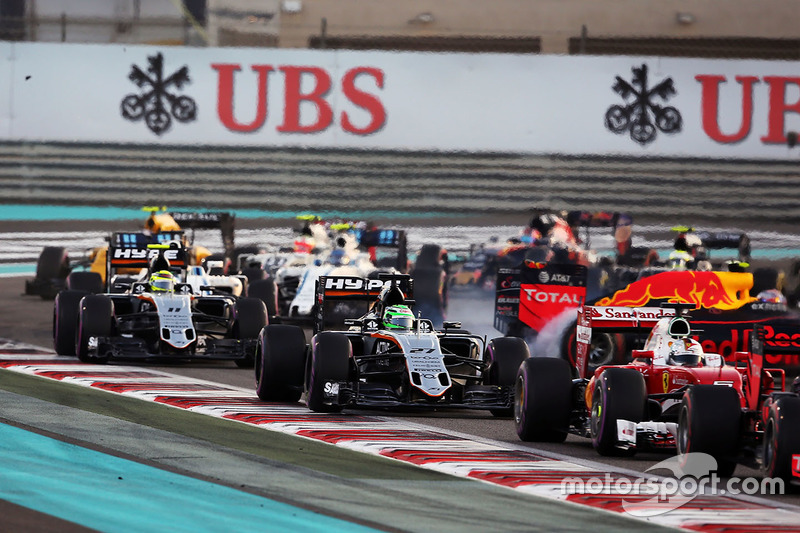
(672, 395)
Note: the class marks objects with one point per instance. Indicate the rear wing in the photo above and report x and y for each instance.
(226, 223)
(133, 251)
(381, 244)
(612, 319)
(353, 296)
(529, 297)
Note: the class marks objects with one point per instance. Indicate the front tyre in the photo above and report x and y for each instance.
(280, 363)
(66, 313)
(708, 422)
(503, 357)
(618, 394)
(543, 399)
(96, 316)
(249, 318)
(330, 363)
(781, 438)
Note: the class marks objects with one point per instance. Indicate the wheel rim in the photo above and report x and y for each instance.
(597, 411)
(602, 351)
(519, 399)
(769, 447)
(683, 430)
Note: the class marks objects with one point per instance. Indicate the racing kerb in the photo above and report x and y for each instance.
(448, 183)
(526, 471)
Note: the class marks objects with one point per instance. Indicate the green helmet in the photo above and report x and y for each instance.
(398, 316)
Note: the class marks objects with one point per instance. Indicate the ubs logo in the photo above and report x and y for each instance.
(155, 103)
(642, 115)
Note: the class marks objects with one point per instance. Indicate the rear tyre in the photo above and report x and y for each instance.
(66, 313)
(781, 438)
(543, 399)
(330, 364)
(249, 318)
(85, 281)
(96, 314)
(267, 291)
(280, 363)
(503, 357)
(708, 422)
(618, 394)
(52, 269)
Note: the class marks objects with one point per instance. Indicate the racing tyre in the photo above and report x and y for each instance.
(85, 281)
(781, 438)
(330, 363)
(708, 422)
(280, 363)
(503, 357)
(96, 314)
(606, 349)
(543, 399)
(249, 318)
(52, 269)
(66, 312)
(618, 394)
(267, 291)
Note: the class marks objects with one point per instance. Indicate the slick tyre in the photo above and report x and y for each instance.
(66, 313)
(267, 291)
(330, 362)
(250, 317)
(543, 399)
(708, 422)
(503, 357)
(52, 267)
(781, 438)
(96, 315)
(618, 394)
(280, 363)
(85, 281)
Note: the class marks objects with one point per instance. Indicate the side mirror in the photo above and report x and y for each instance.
(713, 360)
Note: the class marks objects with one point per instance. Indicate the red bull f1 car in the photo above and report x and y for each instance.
(386, 357)
(673, 395)
(543, 297)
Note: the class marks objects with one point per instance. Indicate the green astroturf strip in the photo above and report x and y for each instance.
(108, 493)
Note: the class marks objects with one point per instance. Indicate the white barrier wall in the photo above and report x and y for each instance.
(573, 105)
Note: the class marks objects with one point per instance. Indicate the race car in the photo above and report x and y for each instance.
(674, 395)
(157, 315)
(538, 301)
(386, 358)
(54, 264)
(344, 250)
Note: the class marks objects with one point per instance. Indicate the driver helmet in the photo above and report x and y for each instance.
(162, 281)
(398, 317)
(687, 352)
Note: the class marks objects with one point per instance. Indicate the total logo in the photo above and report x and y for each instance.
(550, 297)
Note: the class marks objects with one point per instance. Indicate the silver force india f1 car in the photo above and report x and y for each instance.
(387, 358)
(159, 314)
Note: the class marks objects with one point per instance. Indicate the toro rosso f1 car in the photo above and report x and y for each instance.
(387, 358)
(158, 316)
(674, 395)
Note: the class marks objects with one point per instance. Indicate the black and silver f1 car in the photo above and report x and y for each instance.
(383, 362)
(134, 320)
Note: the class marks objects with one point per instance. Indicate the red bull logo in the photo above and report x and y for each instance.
(718, 290)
